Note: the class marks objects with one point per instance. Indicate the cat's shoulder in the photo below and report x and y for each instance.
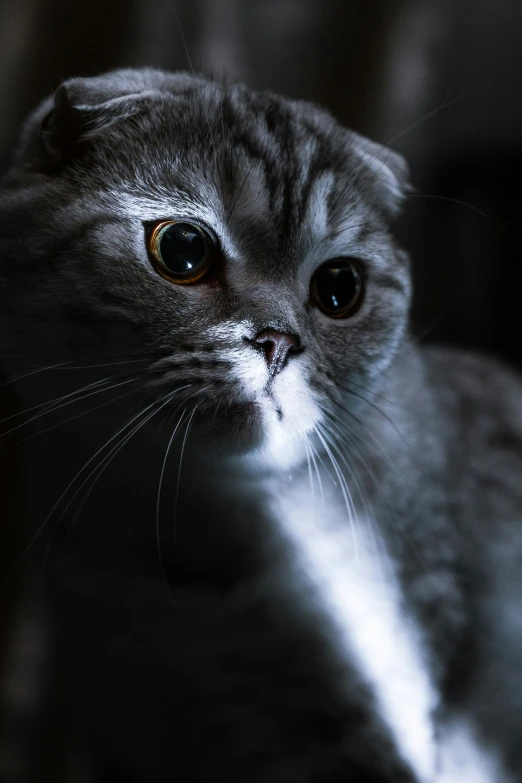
(477, 386)
(472, 369)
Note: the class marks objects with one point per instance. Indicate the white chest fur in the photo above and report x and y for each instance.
(351, 579)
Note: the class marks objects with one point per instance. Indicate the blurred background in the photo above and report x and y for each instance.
(439, 80)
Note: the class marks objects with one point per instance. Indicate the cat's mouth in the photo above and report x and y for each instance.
(239, 425)
(245, 413)
(242, 425)
(274, 404)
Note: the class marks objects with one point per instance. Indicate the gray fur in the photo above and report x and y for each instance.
(230, 667)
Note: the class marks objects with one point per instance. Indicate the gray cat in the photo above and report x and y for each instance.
(279, 542)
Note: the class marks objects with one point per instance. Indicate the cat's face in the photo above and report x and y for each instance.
(236, 241)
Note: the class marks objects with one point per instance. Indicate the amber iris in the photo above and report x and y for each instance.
(337, 288)
(179, 251)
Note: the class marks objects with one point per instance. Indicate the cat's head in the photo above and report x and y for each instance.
(236, 241)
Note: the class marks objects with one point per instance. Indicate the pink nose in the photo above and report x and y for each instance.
(277, 346)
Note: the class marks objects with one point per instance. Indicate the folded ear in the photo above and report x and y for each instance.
(71, 121)
(81, 109)
(388, 172)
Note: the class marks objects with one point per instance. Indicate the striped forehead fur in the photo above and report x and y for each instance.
(293, 143)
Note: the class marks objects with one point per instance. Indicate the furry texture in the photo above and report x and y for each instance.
(340, 545)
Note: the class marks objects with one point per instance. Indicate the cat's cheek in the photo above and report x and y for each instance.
(249, 370)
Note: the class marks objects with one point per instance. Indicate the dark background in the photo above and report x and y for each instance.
(439, 80)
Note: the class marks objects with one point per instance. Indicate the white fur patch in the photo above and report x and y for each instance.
(317, 217)
(287, 405)
(359, 595)
(354, 586)
(291, 394)
(231, 331)
(247, 366)
(461, 760)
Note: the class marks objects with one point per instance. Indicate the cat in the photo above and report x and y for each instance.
(274, 538)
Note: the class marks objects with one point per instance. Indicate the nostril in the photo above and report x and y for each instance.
(277, 346)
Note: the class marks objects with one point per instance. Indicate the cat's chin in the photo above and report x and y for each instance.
(234, 430)
(251, 430)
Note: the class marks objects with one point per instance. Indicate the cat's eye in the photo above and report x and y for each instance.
(180, 251)
(337, 288)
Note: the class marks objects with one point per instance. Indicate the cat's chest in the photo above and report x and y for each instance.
(315, 608)
(341, 568)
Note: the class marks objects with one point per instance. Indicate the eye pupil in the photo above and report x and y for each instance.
(179, 251)
(336, 288)
(182, 248)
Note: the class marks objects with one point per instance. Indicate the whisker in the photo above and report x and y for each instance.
(377, 448)
(373, 393)
(343, 486)
(32, 372)
(330, 436)
(99, 469)
(392, 511)
(314, 455)
(66, 421)
(353, 476)
(194, 74)
(66, 490)
(51, 402)
(70, 399)
(376, 408)
(309, 466)
(104, 364)
(158, 503)
(451, 200)
(107, 459)
(65, 404)
(444, 105)
(369, 516)
(189, 424)
(370, 174)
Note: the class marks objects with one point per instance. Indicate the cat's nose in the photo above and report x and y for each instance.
(277, 346)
